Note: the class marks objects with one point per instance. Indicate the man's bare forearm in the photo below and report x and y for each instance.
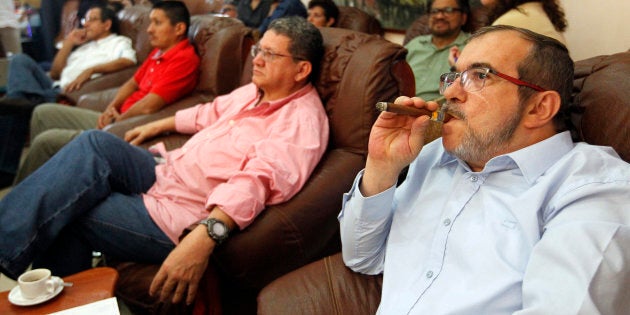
(113, 66)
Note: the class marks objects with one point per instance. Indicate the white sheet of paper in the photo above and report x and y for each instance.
(103, 307)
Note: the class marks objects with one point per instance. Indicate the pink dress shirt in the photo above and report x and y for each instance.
(241, 158)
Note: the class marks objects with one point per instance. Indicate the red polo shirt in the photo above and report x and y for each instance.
(171, 74)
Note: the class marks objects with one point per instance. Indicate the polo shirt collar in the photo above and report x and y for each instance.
(159, 54)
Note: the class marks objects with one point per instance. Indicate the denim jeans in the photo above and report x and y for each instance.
(27, 80)
(86, 198)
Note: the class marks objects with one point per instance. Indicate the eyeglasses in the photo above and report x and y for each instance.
(269, 56)
(474, 79)
(445, 11)
(89, 19)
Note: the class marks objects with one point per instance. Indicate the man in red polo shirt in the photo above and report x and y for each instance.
(170, 72)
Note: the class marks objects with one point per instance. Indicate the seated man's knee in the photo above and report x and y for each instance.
(51, 141)
(21, 58)
(41, 117)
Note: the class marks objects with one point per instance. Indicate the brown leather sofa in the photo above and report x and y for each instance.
(601, 111)
(357, 71)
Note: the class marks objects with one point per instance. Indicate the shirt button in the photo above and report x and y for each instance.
(446, 222)
(231, 122)
(429, 274)
(474, 178)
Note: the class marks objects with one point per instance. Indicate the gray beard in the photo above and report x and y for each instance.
(481, 146)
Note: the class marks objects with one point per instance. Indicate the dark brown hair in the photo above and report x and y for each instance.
(552, 9)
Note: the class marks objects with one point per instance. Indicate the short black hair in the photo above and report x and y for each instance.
(465, 7)
(330, 9)
(175, 11)
(107, 13)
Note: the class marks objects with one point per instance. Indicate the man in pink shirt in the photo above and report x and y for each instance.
(254, 147)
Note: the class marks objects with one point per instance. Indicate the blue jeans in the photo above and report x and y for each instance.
(86, 198)
(27, 80)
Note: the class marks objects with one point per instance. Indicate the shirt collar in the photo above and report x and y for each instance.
(526, 159)
(159, 54)
(272, 105)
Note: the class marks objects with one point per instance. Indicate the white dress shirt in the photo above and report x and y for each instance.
(543, 230)
(94, 53)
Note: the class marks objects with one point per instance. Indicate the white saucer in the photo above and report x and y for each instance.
(16, 298)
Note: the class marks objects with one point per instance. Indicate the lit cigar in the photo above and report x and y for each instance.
(438, 115)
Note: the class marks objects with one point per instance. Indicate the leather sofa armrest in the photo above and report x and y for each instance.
(104, 82)
(326, 286)
(97, 101)
(289, 235)
(119, 128)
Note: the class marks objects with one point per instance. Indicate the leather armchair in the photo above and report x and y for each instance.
(601, 111)
(357, 71)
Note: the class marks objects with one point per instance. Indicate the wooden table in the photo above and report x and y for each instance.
(88, 286)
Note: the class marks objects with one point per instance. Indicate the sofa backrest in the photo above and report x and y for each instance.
(134, 22)
(223, 43)
(601, 101)
(357, 71)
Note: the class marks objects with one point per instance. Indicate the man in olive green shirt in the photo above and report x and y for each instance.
(428, 54)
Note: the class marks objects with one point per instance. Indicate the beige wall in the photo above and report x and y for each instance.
(596, 27)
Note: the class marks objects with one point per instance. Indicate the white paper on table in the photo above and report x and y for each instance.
(103, 307)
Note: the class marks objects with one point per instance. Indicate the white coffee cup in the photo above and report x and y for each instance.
(38, 282)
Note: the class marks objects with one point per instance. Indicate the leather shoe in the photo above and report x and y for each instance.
(16, 106)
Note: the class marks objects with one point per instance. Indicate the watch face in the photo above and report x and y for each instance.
(218, 229)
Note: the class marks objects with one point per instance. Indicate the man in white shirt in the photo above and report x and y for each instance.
(505, 213)
(86, 53)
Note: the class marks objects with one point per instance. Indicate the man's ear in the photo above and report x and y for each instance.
(180, 29)
(108, 25)
(541, 109)
(330, 22)
(304, 70)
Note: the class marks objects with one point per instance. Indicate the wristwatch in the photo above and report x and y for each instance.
(217, 229)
